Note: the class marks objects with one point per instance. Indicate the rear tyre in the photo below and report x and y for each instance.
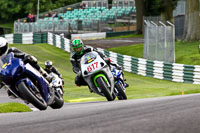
(29, 95)
(58, 101)
(102, 85)
(122, 94)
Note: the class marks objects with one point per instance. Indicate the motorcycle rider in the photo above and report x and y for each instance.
(50, 68)
(4, 50)
(78, 50)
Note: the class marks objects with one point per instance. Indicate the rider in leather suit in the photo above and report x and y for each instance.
(4, 50)
(78, 50)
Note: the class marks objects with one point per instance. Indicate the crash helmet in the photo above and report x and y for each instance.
(77, 46)
(3, 46)
(48, 64)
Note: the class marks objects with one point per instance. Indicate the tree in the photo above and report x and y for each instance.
(8, 9)
(139, 16)
(154, 8)
(167, 7)
(192, 21)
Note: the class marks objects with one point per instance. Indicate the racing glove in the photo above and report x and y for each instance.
(107, 60)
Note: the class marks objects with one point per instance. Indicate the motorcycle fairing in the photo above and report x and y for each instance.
(42, 83)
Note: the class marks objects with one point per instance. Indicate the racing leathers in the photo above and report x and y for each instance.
(54, 70)
(75, 60)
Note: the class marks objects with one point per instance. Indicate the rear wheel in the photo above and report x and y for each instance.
(104, 88)
(58, 101)
(121, 94)
(35, 98)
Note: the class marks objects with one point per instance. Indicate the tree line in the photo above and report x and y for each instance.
(13, 9)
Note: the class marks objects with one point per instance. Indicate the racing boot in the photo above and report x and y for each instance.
(126, 85)
(90, 89)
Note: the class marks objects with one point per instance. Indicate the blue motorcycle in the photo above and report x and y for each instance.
(120, 86)
(26, 82)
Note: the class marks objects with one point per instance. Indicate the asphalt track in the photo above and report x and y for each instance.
(174, 114)
(110, 43)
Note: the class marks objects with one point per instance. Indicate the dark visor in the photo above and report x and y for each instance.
(3, 49)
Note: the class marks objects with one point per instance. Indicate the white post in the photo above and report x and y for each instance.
(173, 36)
(147, 39)
(165, 53)
(38, 8)
(156, 54)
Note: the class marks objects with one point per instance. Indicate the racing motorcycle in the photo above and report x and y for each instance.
(98, 75)
(25, 82)
(120, 86)
(57, 85)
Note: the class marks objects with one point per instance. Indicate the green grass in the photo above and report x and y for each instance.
(126, 36)
(185, 52)
(13, 107)
(132, 50)
(147, 87)
(140, 87)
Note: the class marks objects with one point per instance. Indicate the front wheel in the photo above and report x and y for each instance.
(31, 96)
(104, 88)
(121, 94)
(58, 100)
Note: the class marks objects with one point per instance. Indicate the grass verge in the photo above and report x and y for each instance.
(13, 107)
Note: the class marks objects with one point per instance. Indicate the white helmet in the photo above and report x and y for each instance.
(3, 46)
(48, 64)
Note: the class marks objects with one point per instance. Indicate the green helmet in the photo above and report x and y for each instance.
(77, 46)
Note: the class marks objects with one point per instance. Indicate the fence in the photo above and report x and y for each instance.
(60, 10)
(159, 41)
(156, 69)
(91, 19)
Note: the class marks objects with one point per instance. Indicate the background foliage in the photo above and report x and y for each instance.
(156, 7)
(13, 9)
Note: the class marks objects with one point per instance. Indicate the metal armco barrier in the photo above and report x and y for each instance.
(26, 38)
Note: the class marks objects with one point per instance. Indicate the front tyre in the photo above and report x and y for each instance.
(121, 94)
(31, 96)
(58, 100)
(104, 88)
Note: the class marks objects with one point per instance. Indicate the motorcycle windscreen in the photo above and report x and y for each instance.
(5, 61)
(88, 58)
